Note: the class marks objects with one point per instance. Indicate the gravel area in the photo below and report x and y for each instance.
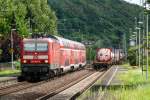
(43, 89)
(6, 78)
(7, 81)
(76, 89)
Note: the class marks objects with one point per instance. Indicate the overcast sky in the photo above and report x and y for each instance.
(134, 1)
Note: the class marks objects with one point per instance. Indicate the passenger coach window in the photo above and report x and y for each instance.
(42, 46)
(29, 46)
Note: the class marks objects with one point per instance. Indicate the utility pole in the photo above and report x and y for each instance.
(143, 34)
(143, 40)
(125, 46)
(147, 63)
(136, 41)
(139, 46)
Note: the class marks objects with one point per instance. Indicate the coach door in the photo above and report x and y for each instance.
(56, 53)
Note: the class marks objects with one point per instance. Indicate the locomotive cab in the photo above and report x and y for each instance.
(35, 60)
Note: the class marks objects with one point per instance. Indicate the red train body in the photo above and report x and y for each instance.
(50, 56)
(106, 57)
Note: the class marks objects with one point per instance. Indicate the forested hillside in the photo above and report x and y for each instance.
(103, 21)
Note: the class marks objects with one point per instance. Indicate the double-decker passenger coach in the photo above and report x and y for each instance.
(46, 57)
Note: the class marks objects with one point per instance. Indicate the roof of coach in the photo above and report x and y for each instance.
(63, 42)
(69, 43)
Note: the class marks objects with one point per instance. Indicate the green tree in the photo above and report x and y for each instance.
(18, 12)
(42, 18)
(23, 15)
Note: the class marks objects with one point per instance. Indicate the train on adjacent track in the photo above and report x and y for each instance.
(106, 57)
(50, 56)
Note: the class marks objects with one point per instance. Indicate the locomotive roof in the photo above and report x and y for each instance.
(38, 39)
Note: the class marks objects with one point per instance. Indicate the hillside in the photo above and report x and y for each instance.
(104, 21)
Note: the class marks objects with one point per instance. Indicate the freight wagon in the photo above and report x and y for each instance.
(106, 57)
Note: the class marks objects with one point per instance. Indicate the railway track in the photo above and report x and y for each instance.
(98, 90)
(54, 92)
(8, 82)
(18, 87)
(13, 83)
(25, 88)
(70, 92)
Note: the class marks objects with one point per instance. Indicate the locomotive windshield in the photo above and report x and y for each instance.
(29, 47)
(41, 47)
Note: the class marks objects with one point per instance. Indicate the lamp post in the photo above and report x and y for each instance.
(136, 44)
(139, 39)
(133, 40)
(12, 51)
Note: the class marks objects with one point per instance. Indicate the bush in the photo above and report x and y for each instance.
(17, 65)
(132, 56)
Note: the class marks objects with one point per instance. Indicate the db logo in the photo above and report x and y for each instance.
(35, 57)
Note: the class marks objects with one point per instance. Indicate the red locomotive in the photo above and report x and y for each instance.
(106, 57)
(50, 56)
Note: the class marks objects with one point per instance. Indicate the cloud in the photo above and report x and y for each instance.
(134, 1)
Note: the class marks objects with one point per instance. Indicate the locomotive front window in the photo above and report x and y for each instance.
(29, 46)
(42, 47)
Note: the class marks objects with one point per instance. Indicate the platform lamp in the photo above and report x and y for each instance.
(141, 24)
(136, 44)
(133, 40)
(139, 39)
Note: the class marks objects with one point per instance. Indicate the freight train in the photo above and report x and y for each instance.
(106, 57)
(50, 56)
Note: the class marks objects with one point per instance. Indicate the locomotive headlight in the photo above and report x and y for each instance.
(46, 61)
(24, 61)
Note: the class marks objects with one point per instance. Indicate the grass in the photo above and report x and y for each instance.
(9, 72)
(139, 93)
(126, 65)
(134, 86)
